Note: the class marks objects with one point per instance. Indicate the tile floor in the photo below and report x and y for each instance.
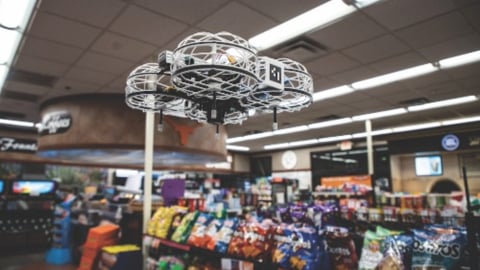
(34, 261)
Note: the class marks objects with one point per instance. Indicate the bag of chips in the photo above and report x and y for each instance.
(183, 231)
(198, 234)
(220, 240)
(371, 251)
(436, 249)
(397, 253)
(282, 250)
(252, 240)
(306, 253)
(341, 249)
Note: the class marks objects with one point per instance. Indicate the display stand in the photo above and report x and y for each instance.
(26, 216)
(61, 252)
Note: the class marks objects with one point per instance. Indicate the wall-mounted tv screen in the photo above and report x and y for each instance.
(428, 165)
(2, 186)
(33, 187)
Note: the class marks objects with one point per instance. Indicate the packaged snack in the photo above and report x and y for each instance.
(371, 251)
(341, 249)
(180, 212)
(198, 233)
(397, 252)
(305, 254)
(183, 231)
(253, 241)
(436, 249)
(219, 242)
(164, 220)
(282, 250)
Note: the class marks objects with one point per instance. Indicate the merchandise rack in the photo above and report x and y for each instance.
(206, 253)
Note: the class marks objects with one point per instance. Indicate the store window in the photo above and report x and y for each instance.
(351, 162)
(261, 166)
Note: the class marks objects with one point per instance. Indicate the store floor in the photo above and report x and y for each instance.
(30, 262)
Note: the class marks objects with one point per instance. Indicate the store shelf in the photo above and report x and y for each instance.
(208, 253)
(339, 194)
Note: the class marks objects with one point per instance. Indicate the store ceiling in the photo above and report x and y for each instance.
(75, 47)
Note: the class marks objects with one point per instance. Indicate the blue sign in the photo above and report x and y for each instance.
(450, 142)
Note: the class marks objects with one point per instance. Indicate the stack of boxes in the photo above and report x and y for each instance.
(98, 237)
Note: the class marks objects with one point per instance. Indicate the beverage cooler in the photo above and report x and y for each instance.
(26, 214)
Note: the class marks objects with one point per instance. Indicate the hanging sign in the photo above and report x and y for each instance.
(55, 123)
(450, 142)
(8, 144)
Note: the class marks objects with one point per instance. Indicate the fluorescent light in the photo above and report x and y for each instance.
(16, 123)
(250, 137)
(374, 133)
(15, 13)
(334, 138)
(394, 76)
(332, 92)
(276, 146)
(291, 130)
(460, 60)
(381, 114)
(3, 75)
(304, 142)
(238, 148)
(461, 120)
(330, 123)
(417, 127)
(8, 46)
(443, 103)
(311, 20)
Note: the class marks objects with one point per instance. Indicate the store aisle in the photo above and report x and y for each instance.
(30, 262)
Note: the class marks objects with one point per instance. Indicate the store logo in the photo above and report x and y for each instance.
(56, 122)
(17, 145)
(450, 142)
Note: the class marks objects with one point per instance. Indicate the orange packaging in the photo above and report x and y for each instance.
(86, 263)
(103, 232)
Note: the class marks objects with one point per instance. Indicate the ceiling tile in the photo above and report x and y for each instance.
(465, 71)
(323, 83)
(406, 60)
(69, 86)
(50, 50)
(98, 13)
(472, 82)
(39, 65)
(145, 25)
(282, 10)
(233, 18)
(426, 80)
(104, 63)
(122, 47)
(353, 75)
(330, 64)
(437, 91)
(182, 10)
(392, 14)
(64, 31)
(89, 76)
(26, 88)
(452, 47)
(471, 13)
(347, 32)
(435, 30)
(376, 49)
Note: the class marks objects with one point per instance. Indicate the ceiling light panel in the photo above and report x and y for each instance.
(381, 114)
(443, 103)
